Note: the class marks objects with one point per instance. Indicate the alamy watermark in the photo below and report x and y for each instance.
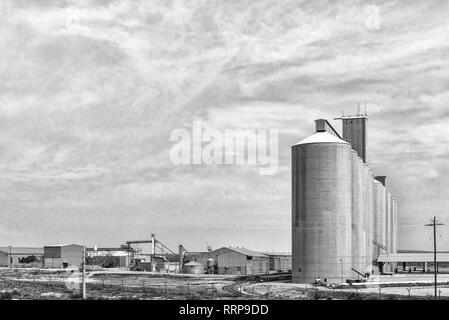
(258, 147)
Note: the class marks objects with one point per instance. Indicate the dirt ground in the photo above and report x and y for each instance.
(43, 284)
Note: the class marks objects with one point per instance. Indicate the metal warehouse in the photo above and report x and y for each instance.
(63, 255)
(279, 261)
(233, 260)
(19, 256)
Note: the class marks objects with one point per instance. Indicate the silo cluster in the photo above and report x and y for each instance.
(342, 217)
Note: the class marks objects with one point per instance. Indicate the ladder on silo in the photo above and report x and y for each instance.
(379, 245)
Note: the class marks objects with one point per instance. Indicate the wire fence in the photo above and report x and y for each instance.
(205, 290)
(49, 283)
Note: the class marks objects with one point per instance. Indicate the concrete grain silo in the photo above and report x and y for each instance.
(388, 221)
(321, 209)
(368, 217)
(358, 232)
(379, 218)
(392, 226)
(395, 225)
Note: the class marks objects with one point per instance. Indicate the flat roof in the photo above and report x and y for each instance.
(23, 250)
(277, 253)
(63, 245)
(413, 257)
(246, 252)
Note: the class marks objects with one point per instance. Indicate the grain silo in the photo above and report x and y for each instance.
(395, 226)
(321, 208)
(392, 225)
(368, 215)
(388, 221)
(358, 233)
(379, 219)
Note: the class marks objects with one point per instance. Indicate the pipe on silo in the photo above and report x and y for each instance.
(321, 209)
(358, 233)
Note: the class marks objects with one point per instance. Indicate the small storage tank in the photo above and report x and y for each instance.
(210, 263)
(193, 267)
(321, 209)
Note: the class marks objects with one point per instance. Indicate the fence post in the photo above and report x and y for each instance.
(269, 293)
(380, 293)
(122, 285)
(409, 289)
(143, 285)
(103, 284)
(188, 289)
(165, 287)
(50, 280)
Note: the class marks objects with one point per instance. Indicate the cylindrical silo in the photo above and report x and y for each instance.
(392, 214)
(395, 226)
(321, 209)
(379, 218)
(358, 234)
(368, 217)
(388, 221)
(193, 267)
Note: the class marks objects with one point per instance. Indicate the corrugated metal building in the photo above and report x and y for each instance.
(63, 255)
(230, 260)
(108, 257)
(19, 255)
(279, 261)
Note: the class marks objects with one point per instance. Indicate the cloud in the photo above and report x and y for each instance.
(91, 90)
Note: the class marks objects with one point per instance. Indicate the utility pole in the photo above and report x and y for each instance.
(83, 289)
(434, 224)
(10, 257)
(341, 264)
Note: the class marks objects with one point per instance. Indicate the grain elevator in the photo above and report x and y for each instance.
(342, 216)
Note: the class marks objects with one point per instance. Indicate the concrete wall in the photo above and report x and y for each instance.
(354, 132)
(368, 206)
(321, 211)
(379, 218)
(357, 217)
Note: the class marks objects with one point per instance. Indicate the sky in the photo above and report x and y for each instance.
(90, 92)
